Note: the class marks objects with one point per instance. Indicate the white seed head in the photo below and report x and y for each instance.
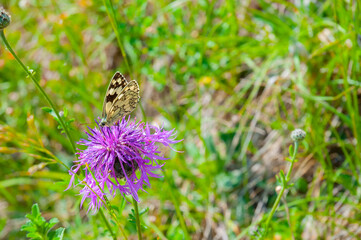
(298, 135)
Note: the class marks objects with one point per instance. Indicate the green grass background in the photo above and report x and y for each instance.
(233, 77)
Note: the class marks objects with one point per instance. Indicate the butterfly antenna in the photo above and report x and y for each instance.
(87, 123)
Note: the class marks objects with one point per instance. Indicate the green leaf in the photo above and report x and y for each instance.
(131, 218)
(143, 211)
(35, 211)
(34, 236)
(47, 109)
(301, 185)
(278, 178)
(51, 112)
(282, 177)
(58, 234)
(65, 112)
(38, 228)
(2, 223)
(282, 174)
(52, 222)
(290, 150)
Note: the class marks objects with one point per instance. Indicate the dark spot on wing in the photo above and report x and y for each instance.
(111, 98)
(118, 81)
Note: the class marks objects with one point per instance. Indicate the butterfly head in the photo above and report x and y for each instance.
(103, 122)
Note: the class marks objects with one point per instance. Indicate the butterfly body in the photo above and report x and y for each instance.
(120, 99)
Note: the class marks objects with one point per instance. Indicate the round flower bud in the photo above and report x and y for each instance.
(4, 18)
(278, 189)
(298, 135)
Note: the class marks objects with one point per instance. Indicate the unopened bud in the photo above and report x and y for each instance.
(4, 18)
(278, 189)
(298, 135)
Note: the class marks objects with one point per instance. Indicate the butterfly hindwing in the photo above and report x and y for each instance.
(116, 85)
(125, 103)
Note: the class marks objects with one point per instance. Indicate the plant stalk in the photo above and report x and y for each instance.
(106, 202)
(284, 187)
(2, 36)
(137, 218)
(107, 223)
(113, 20)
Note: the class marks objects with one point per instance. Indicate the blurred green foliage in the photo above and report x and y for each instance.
(38, 228)
(233, 77)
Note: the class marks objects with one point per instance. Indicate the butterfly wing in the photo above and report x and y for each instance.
(116, 85)
(125, 103)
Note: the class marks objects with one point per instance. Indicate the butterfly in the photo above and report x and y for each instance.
(120, 99)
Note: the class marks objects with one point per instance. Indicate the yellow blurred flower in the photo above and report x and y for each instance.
(205, 80)
(84, 3)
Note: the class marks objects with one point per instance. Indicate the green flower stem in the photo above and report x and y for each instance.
(107, 223)
(110, 209)
(2, 36)
(288, 176)
(113, 20)
(284, 187)
(135, 204)
(106, 202)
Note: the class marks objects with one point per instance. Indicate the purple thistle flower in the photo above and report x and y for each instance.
(116, 152)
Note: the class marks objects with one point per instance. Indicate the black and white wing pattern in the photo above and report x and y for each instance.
(120, 99)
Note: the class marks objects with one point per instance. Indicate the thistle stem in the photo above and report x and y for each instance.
(135, 204)
(2, 36)
(106, 202)
(107, 223)
(284, 187)
(113, 20)
(109, 207)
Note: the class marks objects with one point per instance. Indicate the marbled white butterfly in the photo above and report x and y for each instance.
(120, 99)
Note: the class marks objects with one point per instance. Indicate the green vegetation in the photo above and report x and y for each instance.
(38, 228)
(234, 78)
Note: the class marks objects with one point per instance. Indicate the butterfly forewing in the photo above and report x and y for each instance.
(116, 85)
(120, 99)
(125, 103)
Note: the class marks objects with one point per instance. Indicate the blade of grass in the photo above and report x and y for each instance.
(177, 208)
(113, 20)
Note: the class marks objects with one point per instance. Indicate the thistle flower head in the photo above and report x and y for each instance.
(4, 18)
(298, 135)
(114, 154)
